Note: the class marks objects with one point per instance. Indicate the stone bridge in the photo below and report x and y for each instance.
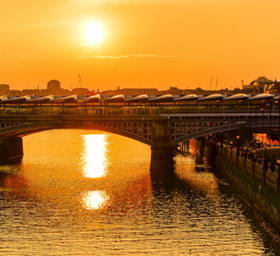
(163, 132)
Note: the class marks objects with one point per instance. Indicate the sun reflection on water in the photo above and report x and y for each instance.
(94, 200)
(94, 157)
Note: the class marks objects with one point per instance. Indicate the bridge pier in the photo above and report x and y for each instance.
(162, 152)
(185, 147)
(11, 150)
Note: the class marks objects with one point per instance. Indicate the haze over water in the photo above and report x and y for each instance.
(88, 193)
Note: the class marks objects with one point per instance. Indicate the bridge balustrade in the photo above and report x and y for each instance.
(99, 109)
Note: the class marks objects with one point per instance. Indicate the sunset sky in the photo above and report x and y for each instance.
(144, 43)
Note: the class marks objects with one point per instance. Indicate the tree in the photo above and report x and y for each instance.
(262, 80)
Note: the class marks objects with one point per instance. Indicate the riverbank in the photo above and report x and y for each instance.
(258, 183)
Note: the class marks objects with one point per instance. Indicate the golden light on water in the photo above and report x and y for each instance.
(94, 157)
(94, 200)
(94, 33)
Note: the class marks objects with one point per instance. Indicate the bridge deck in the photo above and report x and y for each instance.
(136, 123)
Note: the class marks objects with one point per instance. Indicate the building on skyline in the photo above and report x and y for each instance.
(54, 88)
(132, 91)
(81, 91)
(4, 89)
(53, 85)
(262, 85)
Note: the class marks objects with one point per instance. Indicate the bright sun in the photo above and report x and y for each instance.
(94, 33)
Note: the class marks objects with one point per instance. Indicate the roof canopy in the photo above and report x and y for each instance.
(115, 98)
(38, 99)
(187, 97)
(262, 96)
(215, 96)
(13, 99)
(66, 99)
(238, 96)
(162, 98)
(93, 98)
(139, 98)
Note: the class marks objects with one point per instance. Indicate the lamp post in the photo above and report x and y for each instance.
(254, 162)
(245, 156)
(265, 166)
(231, 149)
(237, 148)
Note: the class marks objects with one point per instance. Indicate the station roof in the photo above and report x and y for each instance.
(38, 99)
(215, 96)
(262, 96)
(187, 97)
(162, 98)
(13, 99)
(139, 98)
(66, 99)
(93, 98)
(238, 96)
(115, 98)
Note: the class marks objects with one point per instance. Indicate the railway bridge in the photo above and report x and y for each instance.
(162, 130)
(164, 126)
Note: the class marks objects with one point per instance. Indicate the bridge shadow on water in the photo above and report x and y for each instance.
(163, 175)
(164, 178)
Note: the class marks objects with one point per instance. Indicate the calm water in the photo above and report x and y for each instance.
(78, 193)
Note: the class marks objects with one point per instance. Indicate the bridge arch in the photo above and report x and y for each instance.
(208, 131)
(154, 133)
(25, 130)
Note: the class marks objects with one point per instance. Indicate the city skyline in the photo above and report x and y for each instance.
(138, 43)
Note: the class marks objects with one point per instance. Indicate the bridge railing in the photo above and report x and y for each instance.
(96, 110)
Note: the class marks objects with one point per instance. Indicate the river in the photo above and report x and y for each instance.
(80, 192)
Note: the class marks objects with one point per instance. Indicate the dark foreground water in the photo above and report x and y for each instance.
(82, 194)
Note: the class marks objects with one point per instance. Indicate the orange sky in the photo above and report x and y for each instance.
(155, 43)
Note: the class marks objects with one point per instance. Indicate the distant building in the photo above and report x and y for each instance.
(53, 85)
(15, 93)
(4, 89)
(275, 87)
(110, 92)
(80, 91)
(262, 85)
(30, 92)
(138, 91)
(132, 91)
(175, 91)
(54, 88)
